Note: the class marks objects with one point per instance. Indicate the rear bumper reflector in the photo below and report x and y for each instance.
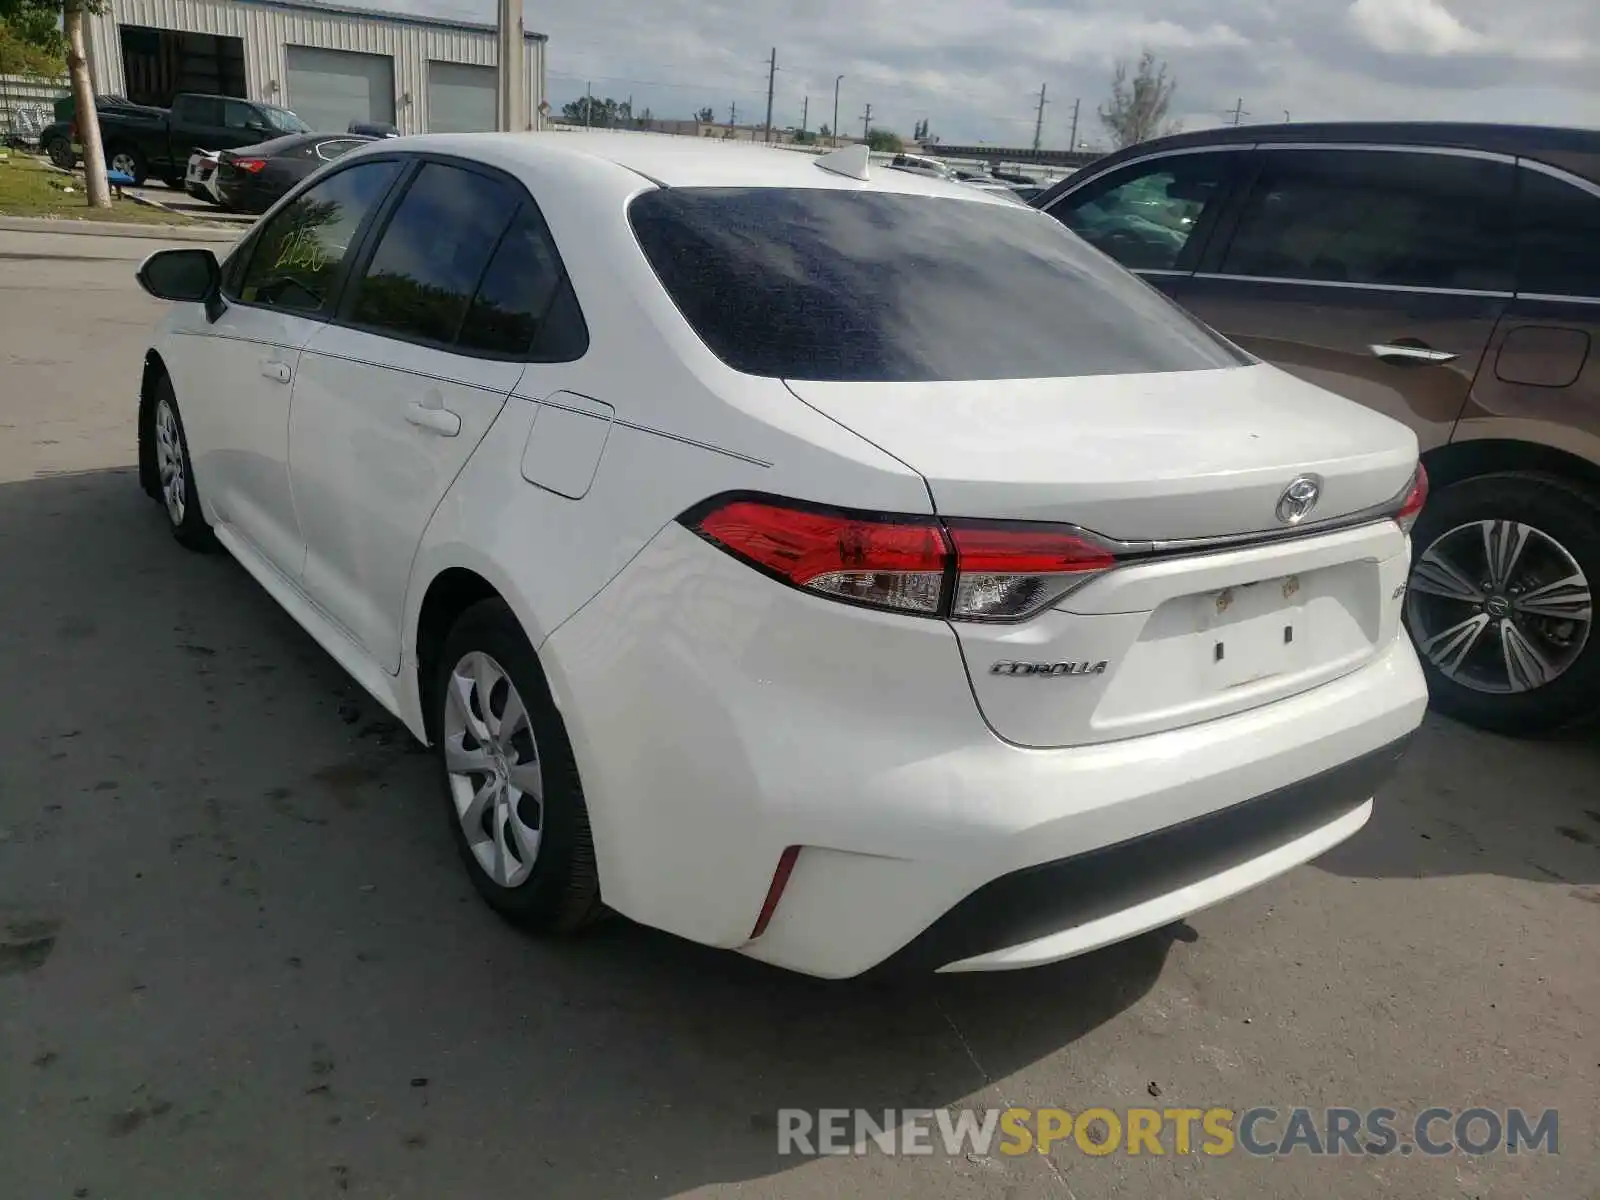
(780, 880)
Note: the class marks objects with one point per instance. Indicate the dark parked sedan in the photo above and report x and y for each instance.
(251, 178)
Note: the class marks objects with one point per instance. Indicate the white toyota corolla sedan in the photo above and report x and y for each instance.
(836, 565)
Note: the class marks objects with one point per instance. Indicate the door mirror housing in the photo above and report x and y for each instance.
(189, 275)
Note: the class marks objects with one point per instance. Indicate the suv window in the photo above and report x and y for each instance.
(1558, 237)
(1146, 215)
(433, 253)
(826, 284)
(1377, 217)
(297, 254)
(525, 306)
(197, 110)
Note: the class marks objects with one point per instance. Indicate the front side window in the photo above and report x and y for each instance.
(297, 254)
(283, 120)
(1399, 218)
(1558, 237)
(834, 284)
(1146, 217)
(238, 115)
(433, 253)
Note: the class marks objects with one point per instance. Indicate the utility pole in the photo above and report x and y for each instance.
(1238, 111)
(733, 115)
(630, 110)
(513, 105)
(1076, 104)
(805, 113)
(866, 123)
(1038, 120)
(833, 130)
(772, 78)
(588, 103)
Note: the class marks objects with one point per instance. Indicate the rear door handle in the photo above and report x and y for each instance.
(1412, 354)
(279, 371)
(435, 420)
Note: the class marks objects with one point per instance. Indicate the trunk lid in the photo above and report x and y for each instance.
(1190, 633)
(1164, 456)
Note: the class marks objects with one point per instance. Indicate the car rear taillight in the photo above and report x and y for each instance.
(251, 165)
(1416, 496)
(965, 570)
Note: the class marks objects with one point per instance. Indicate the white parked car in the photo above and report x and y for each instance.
(845, 571)
(200, 176)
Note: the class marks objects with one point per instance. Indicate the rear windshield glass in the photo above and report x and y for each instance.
(871, 286)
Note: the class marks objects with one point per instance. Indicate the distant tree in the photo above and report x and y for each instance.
(706, 116)
(825, 132)
(804, 137)
(884, 141)
(1137, 109)
(600, 113)
(32, 52)
(643, 120)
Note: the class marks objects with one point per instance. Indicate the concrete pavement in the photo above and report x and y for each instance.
(238, 957)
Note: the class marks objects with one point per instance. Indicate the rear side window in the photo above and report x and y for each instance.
(433, 253)
(1147, 215)
(298, 252)
(1558, 237)
(525, 305)
(829, 284)
(1377, 217)
(198, 110)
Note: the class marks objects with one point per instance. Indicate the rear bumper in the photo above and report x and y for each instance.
(719, 719)
(1057, 909)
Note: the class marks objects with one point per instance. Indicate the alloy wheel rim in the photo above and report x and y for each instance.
(170, 464)
(493, 766)
(1499, 607)
(123, 163)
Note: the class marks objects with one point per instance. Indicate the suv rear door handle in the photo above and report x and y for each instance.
(1412, 354)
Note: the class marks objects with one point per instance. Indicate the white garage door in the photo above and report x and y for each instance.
(461, 98)
(331, 88)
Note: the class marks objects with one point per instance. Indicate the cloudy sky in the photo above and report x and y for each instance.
(973, 67)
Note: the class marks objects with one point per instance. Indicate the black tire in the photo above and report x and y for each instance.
(173, 182)
(1571, 516)
(562, 892)
(197, 192)
(138, 169)
(191, 530)
(60, 153)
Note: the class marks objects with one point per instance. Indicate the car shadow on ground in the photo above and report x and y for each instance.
(236, 946)
(1539, 820)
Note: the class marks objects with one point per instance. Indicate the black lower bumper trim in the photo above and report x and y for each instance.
(1041, 900)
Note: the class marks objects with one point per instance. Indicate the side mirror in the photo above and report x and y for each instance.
(188, 275)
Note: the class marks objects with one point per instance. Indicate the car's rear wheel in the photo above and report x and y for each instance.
(1500, 602)
(60, 152)
(516, 806)
(174, 470)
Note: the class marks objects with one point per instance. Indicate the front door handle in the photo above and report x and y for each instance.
(1401, 353)
(435, 420)
(279, 371)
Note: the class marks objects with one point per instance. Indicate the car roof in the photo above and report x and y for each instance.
(670, 161)
(1576, 149)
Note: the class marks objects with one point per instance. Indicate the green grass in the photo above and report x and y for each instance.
(28, 188)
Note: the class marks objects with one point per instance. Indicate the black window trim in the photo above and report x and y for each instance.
(239, 260)
(1222, 237)
(384, 213)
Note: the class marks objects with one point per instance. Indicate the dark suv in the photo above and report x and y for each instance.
(1448, 275)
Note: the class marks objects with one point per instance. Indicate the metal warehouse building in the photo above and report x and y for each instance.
(331, 65)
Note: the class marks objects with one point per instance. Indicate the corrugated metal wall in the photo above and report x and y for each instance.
(267, 29)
